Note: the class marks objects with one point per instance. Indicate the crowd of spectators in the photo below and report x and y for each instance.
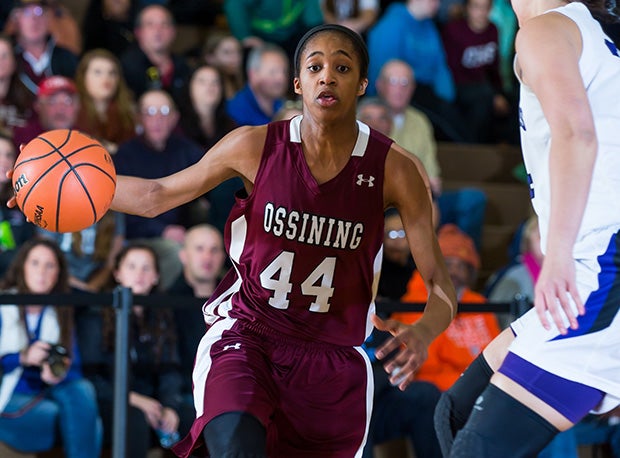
(438, 72)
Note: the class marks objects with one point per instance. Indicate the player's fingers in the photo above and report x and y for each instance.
(541, 309)
(564, 299)
(554, 305)
(11, 202)
(21, 147)
(581, 308)
(387, 347)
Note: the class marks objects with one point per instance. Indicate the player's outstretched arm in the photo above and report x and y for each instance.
(237, 154)
(406, 188)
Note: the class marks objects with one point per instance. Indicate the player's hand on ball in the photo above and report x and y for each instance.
(412, 348)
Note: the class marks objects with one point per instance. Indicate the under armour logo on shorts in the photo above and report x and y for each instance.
(370, 180)
(236, 346)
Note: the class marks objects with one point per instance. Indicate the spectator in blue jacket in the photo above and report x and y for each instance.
(407, 31)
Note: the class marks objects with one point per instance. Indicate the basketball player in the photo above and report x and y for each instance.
(561, 359)
(280, 371)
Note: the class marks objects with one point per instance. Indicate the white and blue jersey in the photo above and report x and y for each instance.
(591, 354)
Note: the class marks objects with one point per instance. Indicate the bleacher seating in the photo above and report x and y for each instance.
(489, 168)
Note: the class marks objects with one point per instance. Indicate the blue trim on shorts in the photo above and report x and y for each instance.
(603, 304)
(572, 399)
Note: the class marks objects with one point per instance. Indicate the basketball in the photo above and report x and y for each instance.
(64, 180)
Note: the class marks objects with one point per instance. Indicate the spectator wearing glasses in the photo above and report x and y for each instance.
(38, 54)
(63, 26)
(159, 150)
(464, 207)
(56, 107)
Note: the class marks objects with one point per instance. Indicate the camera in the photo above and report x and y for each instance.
(56, 360)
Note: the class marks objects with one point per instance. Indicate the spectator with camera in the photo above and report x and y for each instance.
(44, 399)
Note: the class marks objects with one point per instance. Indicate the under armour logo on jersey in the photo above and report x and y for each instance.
(236, 346)
(369, 181)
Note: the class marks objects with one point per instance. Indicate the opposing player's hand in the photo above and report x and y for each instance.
(555, 292)
(412, 350)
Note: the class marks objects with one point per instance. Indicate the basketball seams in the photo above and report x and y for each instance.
(64, 159)
(75, 173)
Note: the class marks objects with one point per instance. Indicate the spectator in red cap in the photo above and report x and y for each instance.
(38, 54)
(57, 106)
(451, 352)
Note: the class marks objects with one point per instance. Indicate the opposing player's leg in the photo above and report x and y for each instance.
(522, 411)
(456, 403)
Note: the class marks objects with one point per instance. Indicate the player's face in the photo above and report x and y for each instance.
(137, 271)
(101, 79)
(205, 89)
(41, 270)
(329, 74)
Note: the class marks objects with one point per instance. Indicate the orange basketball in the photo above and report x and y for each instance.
(64, 180)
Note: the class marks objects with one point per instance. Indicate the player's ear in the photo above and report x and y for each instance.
(297, 85)
(363, 86)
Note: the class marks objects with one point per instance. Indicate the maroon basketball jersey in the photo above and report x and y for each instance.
(306, 257)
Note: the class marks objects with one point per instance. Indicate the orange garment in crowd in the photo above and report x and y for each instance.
(454, 349)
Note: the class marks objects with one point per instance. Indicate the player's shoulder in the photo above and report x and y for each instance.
(245, 139)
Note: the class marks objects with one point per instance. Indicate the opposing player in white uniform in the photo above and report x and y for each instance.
(561, 360)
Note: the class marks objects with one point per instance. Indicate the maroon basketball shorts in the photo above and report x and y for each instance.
(314, 399)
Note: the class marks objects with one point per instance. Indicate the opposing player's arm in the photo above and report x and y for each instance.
(407, 189)
(236, 155)
(549, 48)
